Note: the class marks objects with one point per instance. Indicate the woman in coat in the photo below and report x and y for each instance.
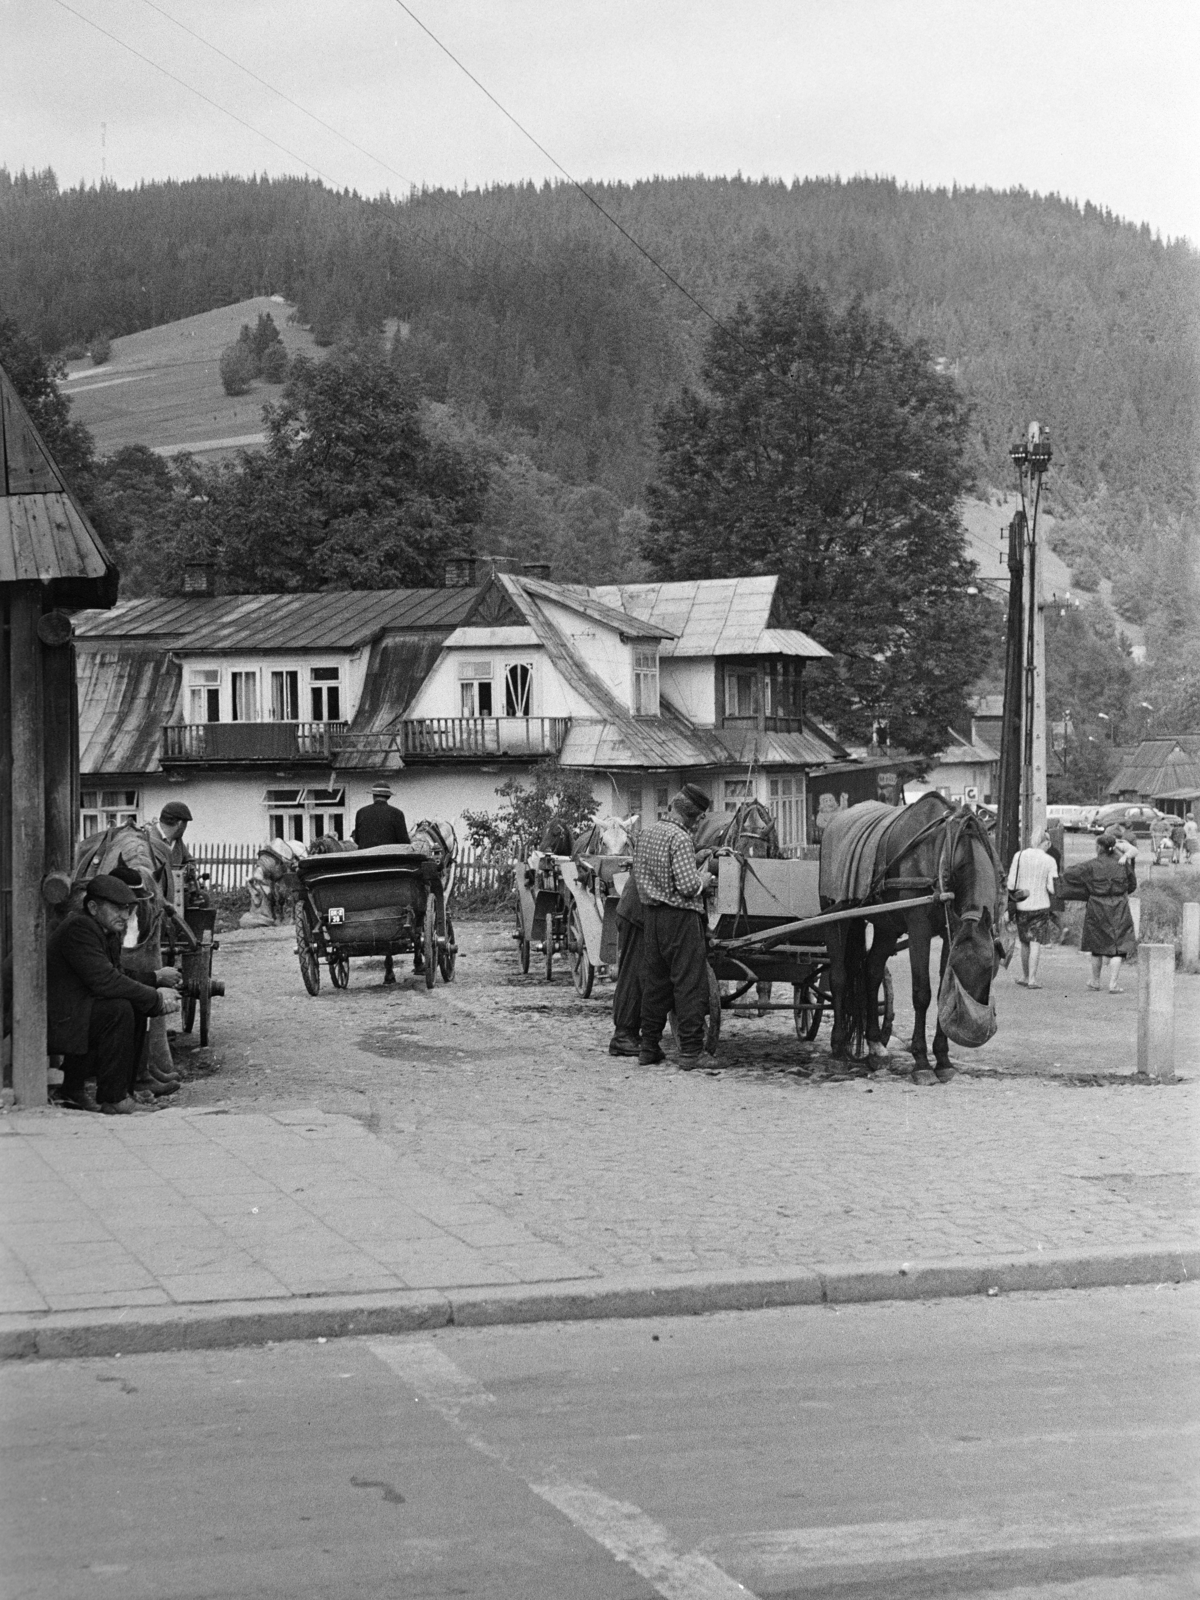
(1106, 884)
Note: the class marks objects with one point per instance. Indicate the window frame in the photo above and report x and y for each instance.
(525, 697)
(645, 673)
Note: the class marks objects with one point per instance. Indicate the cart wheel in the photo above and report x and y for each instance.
(523, 945)
(204, 998)
(187, 1012)
(306, 951)
(712, 1023)
(431, 949)
(339, 970)
(448, 954)
(808, 1006)
(583, 973)
(887, 1007)
(549, 946)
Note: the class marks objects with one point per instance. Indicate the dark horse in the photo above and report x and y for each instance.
(932, 847)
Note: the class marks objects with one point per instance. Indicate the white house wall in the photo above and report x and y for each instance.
(551, 697)
(352, 664)
(600, 648)
(689, 683)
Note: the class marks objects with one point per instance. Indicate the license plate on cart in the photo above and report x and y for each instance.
(336, 915)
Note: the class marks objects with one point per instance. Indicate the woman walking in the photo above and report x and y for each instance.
(1106, 884)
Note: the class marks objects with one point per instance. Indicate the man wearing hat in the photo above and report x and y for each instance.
(674, 957)
(95, 1012)
(164, 837)
(379, 823)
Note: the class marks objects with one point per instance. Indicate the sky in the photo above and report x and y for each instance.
(1091, 99)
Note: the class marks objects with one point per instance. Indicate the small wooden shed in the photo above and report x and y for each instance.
(51, 562)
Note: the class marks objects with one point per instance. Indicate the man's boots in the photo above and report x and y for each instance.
(624, 1044)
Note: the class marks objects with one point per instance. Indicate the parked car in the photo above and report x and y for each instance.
(1137, 818)
(1073, 818)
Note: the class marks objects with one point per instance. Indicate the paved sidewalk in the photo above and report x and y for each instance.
(473, 1153)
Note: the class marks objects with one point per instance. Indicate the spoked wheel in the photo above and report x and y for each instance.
(887, 1007)
(430, 948)
(712, 1022)
(583, 973)
(448, 954)
(306, 951)
(523, 945)
(808, 1006)
(339, 970)
(549, 947)
(204, 998)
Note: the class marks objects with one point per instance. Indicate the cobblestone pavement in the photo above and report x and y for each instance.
(480, 1133)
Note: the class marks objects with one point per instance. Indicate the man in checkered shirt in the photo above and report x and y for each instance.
(674, 958)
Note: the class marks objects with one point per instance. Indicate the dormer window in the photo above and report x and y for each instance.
(645, 681)
(741, 691)
(475, 688)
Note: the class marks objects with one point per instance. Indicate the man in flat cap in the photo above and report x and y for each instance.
(380, 822)
(671, 889)
(96, 1014)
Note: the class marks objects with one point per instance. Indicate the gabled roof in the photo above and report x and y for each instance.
(960, 751)
(125, 696)
(713, 616)
(1159, 767)
(589, 604)
(341, 619)
(44, 536)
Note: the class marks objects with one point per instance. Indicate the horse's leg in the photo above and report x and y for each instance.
(943, 1071)
(835, 944)
(919, 939)
(882, 949)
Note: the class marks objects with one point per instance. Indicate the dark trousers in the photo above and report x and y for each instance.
(114, 1045)
(627, 996)
(674, 976)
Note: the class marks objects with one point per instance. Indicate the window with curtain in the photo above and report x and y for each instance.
(244, 696)
(204, 694)
(518, 689)
(285, 697)
(741, 691)
(326, 693)
(645, 682)
(475, 688)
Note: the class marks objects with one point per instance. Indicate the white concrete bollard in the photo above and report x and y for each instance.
(1156, 1011)
(1191, 935)
(1135, 911)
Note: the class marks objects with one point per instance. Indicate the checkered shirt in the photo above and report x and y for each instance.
(664, 867)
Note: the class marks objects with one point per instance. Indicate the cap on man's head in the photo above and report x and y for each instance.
(381, 788)
(691, 801)
(105, 887)
(124, 873)
(174, 811)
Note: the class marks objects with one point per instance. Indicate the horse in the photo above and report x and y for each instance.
(931, 846)
(748, 831)
(606, 836)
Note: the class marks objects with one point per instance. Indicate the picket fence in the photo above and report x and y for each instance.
(479, 877)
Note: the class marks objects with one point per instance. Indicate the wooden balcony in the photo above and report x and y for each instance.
(238, 743)
(470, 738)
(766, 724)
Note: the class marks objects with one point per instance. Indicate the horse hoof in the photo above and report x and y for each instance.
(924, 1075)
(944, 1074)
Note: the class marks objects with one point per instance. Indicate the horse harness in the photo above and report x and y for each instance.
(957, 823)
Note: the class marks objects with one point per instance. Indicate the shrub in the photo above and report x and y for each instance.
(100, 349)
(517, 825)
(274, 364)
(237, 368)
(74, 352)
(1162, 898)
(1085, 573)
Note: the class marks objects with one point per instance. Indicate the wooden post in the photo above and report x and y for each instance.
(60, 720)
(6, 724)
(1191, 936)
(1156, 1011)
(28, 848)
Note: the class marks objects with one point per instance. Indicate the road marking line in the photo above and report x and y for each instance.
(622, 1529)
(779, 1553)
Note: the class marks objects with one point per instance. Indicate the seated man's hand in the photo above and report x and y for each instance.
(168, 1001)
(168, 978)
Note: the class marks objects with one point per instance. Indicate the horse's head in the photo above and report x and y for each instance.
(973, 874)
(608, 836)
(750, 830)
(556, 838)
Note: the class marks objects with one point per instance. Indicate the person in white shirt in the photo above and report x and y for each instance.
(1126, 849)
(1034, 871)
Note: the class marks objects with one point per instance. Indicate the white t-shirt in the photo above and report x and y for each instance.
(1034, 870)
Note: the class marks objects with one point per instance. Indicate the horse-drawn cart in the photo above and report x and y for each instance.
(387, 901)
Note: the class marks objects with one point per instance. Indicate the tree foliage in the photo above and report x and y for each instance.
(826, 448)
(517, 824)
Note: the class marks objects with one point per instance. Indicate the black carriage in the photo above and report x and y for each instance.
(387, 901)
(543, 909)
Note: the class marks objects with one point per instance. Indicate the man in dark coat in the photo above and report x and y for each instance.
(674, 953)
(95, 1012)
(379, 823)
(627, 994)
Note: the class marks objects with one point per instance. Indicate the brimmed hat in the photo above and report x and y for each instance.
(174, 811)
(104, 886)
(382, 788)
(692, 801)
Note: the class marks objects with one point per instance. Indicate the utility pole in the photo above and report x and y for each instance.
(1032, 459)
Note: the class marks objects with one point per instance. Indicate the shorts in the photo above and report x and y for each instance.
(1035, 927)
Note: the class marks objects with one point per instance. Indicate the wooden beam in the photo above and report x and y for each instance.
(28, 847)
(60, 718)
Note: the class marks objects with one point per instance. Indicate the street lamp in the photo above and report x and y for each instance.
(1103, 716)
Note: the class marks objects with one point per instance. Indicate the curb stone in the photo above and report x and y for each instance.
(140, 1331)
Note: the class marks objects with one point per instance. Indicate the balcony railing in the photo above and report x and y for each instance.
(428, 738)
(251, 741)
(766, 724)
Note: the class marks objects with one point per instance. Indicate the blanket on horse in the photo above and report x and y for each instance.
(850, 847)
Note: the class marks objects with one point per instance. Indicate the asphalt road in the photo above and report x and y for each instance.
(1039, 1447)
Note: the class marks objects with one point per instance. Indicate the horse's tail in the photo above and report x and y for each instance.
(858, 997)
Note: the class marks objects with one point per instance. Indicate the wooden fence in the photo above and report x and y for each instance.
(480, 879)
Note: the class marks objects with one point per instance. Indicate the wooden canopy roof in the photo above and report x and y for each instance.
(44, 536)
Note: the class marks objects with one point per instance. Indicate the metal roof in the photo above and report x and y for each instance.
(712, 616)
(334, 619)
(588, 602)
(396, 670)
(44, 536)
(125, 697)
(1159, 766)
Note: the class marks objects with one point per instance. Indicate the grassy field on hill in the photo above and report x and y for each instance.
(162, 387)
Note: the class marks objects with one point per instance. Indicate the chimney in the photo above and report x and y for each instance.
(460, 571)
(200, 579)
